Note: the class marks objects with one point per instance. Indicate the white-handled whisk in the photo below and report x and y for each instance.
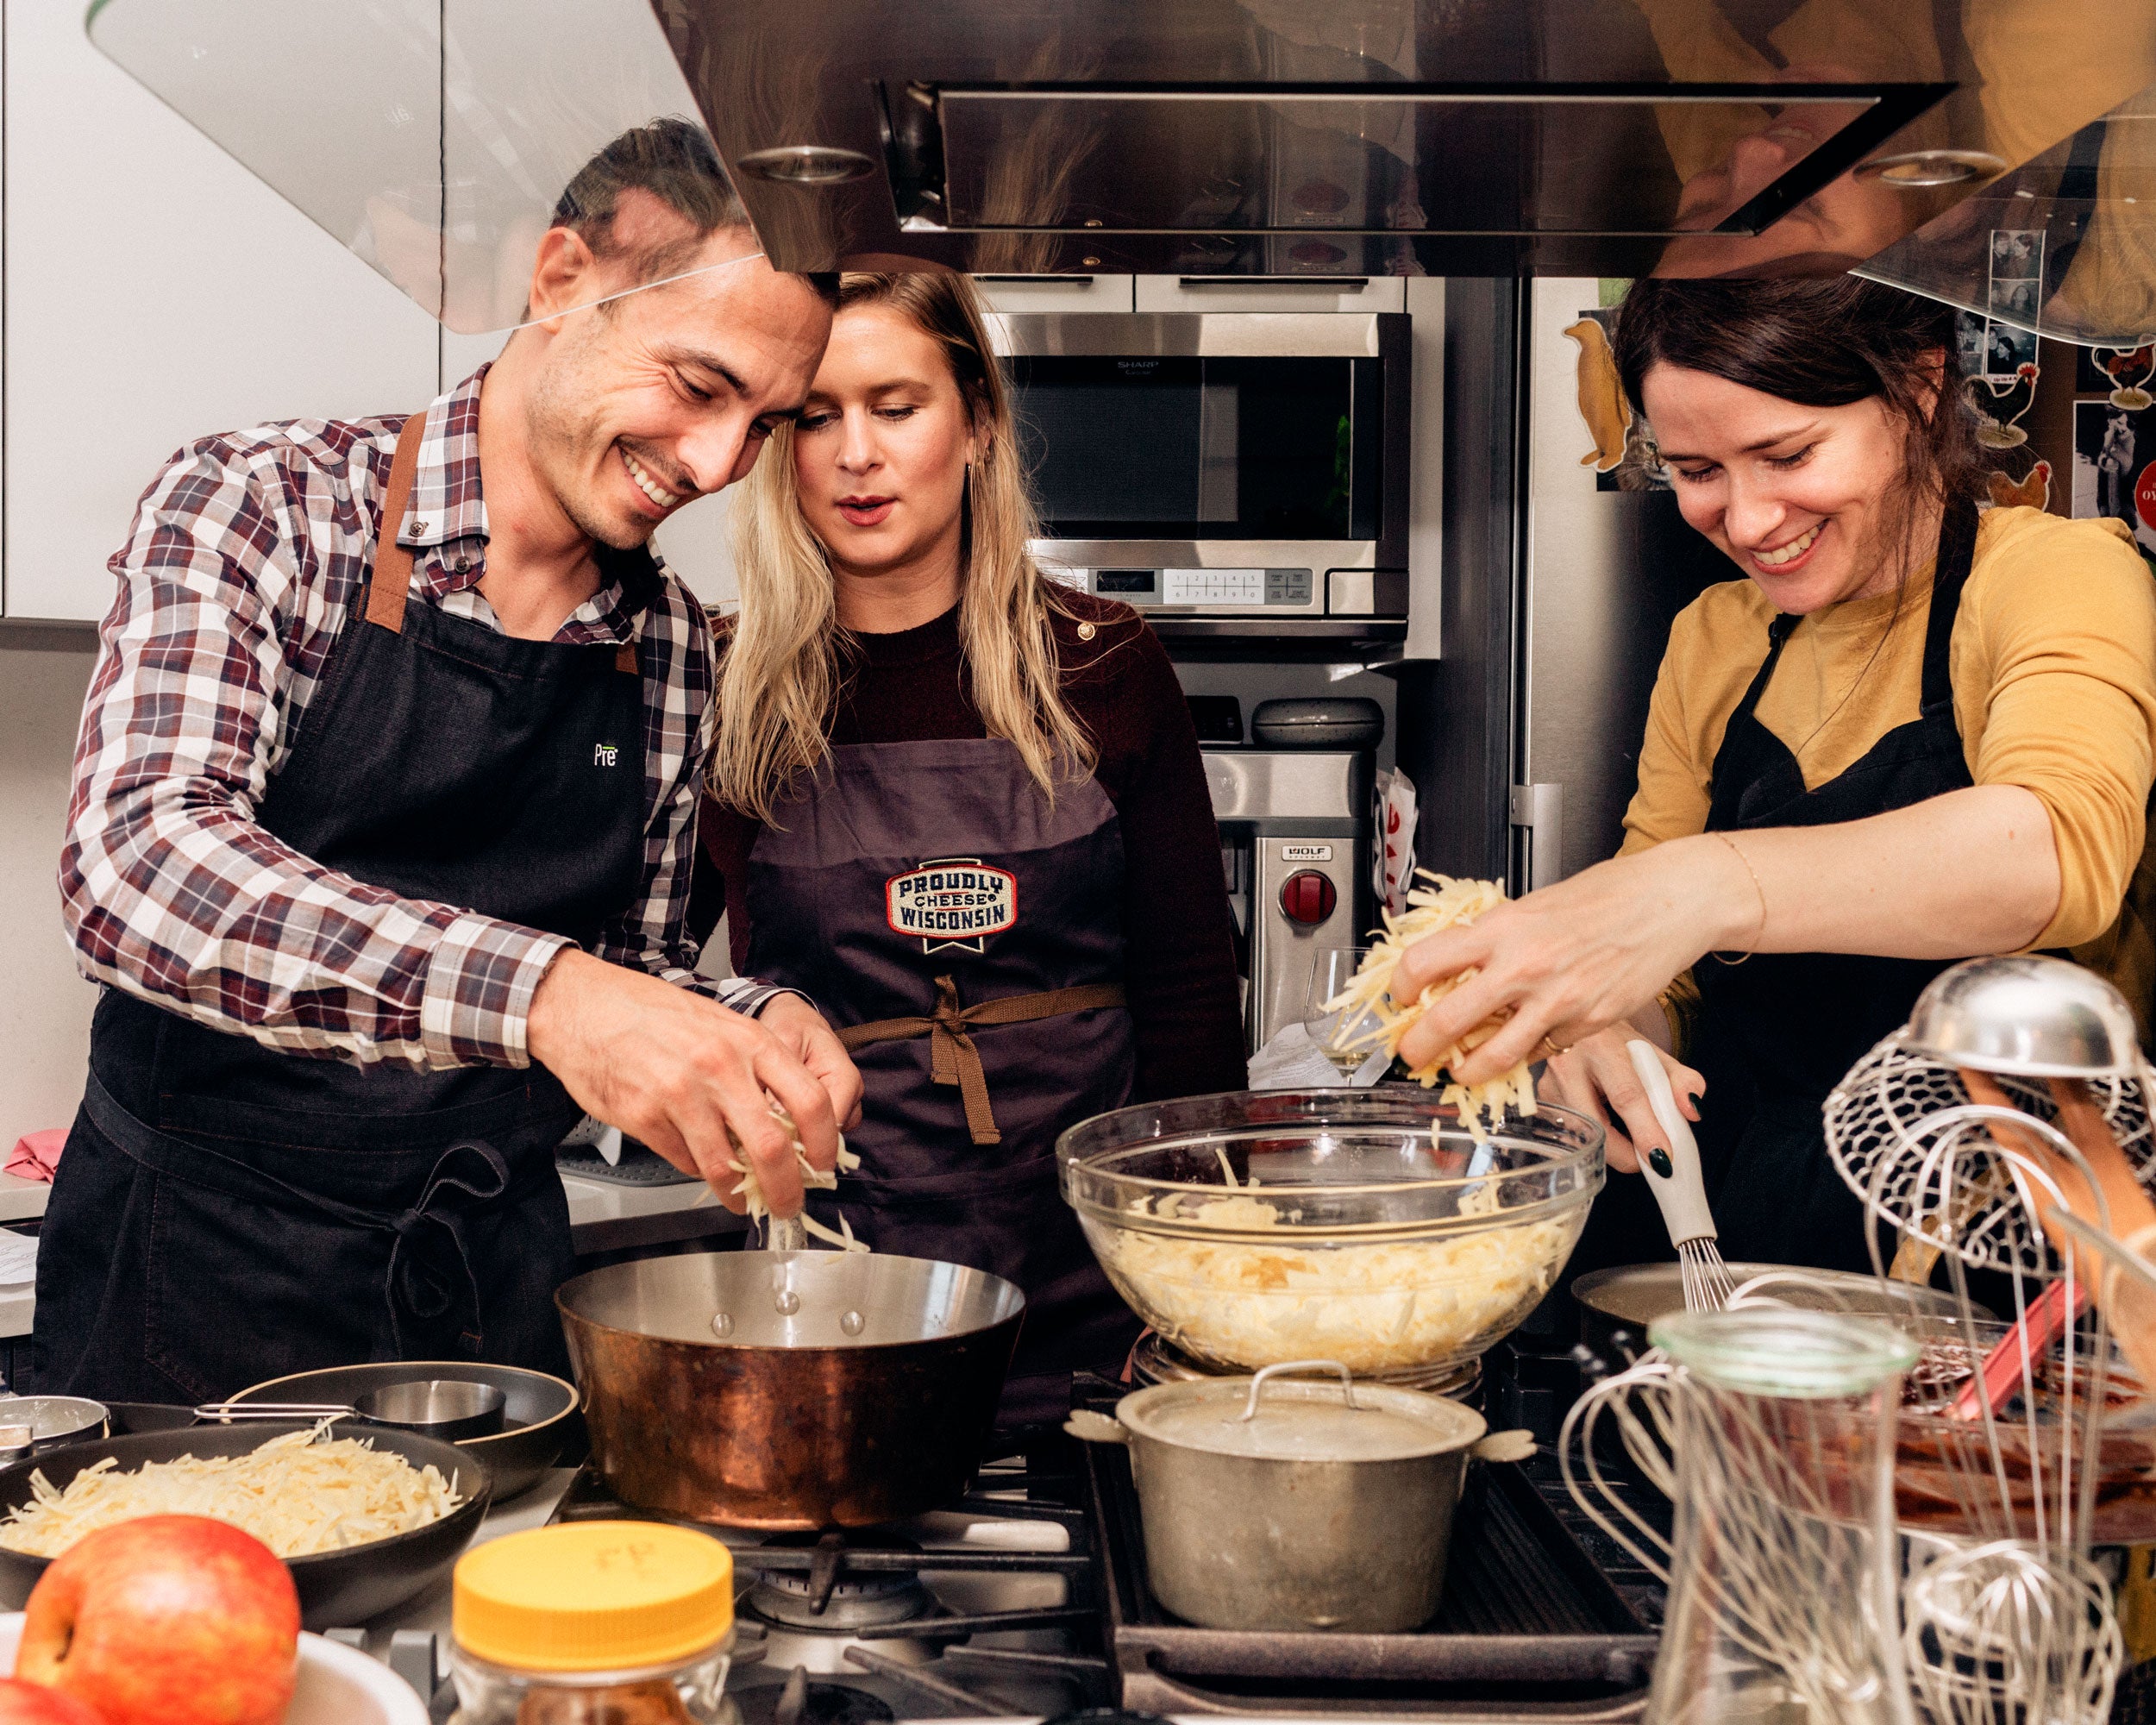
(1673, 1178)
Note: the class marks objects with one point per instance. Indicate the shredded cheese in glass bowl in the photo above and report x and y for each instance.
(1371, 1226)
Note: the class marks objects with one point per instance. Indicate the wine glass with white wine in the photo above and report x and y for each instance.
(1332, 969)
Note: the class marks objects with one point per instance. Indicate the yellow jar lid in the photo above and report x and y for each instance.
(593, 1596)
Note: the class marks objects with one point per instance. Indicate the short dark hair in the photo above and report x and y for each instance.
(674, 161)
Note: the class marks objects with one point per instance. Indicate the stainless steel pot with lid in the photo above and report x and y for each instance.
(1268, 1502)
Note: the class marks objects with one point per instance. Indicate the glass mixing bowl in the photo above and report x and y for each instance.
(1363, 1226)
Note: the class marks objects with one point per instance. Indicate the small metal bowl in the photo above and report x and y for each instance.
(32, 1424)
(2028, 1017)
(450, 1409)
(538, 1424)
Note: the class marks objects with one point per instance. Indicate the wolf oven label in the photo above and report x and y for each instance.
(1305, 853)
(953, 901)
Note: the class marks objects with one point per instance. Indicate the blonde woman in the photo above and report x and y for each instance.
(960, 808)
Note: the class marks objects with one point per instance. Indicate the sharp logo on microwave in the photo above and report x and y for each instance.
(1139, 366)
(954, 901)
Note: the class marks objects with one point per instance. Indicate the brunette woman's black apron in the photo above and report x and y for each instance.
(226, 1213)
(966, 940)
(1779, 1031)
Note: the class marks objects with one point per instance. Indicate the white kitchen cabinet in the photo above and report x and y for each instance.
(155, 291)
(1035, 293)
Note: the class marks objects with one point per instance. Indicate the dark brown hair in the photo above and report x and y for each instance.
(673, 161)
(1821, 342)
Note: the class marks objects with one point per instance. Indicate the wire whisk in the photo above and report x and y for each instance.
(1673, 1178)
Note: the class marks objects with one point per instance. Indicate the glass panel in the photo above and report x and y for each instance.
(1599, 163)
(341, 108)
(2064, 247)
(1190, 448)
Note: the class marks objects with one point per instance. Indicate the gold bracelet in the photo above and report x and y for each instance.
(1759, 933)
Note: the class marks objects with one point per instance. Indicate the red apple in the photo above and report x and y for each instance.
(25, 1704)
(167, 1620)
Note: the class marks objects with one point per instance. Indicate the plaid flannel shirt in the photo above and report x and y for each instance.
(243, 567)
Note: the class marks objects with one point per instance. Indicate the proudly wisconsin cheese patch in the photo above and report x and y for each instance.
(952, 901)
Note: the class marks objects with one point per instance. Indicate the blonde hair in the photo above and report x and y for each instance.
(787, 657)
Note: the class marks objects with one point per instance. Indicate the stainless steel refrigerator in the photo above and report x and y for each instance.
(1565, 560)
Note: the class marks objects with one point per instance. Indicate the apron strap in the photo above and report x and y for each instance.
(1950, 575)
(1782, 625)
(954, 1059)
(389, 582)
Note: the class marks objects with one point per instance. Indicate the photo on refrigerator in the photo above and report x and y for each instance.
(2114, 465)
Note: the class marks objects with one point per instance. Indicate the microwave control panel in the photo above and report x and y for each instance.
(1238, 591)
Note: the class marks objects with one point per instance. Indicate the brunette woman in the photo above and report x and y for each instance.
(1908, 735)
(961, 808)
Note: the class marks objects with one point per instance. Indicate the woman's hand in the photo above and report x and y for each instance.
(1578, 957)
(1596, 1077)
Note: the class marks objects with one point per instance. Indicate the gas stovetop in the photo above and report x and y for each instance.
(1028, 1597)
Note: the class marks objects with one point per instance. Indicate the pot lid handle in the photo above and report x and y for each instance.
(1514, 1445)
(1257, 1383)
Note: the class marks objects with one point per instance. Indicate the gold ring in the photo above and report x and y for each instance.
(1554, 1050)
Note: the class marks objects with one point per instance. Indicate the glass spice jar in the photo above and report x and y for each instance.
(593, 1623)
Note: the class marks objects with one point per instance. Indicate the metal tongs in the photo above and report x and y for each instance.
(452, 1410)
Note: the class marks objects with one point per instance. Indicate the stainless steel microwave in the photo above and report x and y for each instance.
(1247, 467)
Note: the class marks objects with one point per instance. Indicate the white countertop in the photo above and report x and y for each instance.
(20, 1199)
(605, 1200)
(590, 1201)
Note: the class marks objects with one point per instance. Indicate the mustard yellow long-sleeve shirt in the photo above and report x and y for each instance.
(2053, 662)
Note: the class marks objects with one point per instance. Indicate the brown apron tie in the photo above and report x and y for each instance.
(389, 582)
(953, 1059)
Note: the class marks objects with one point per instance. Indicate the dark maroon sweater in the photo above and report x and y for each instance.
(1179, 957)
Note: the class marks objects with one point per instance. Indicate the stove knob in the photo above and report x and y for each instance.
(1307, 897)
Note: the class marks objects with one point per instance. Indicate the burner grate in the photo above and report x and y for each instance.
(834, 1587)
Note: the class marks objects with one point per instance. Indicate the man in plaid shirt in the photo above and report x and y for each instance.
(382, 828)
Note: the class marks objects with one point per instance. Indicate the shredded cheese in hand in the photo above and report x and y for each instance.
(1368, 1004)
(300, 1493)
(750, 1190)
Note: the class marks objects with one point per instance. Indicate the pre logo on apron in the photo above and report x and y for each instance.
(951, 902)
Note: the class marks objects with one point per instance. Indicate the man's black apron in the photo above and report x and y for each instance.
(967, 939)
(1779, 1031)
(226, 1213)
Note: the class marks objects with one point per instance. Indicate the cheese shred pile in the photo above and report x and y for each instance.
(1256, 1297)
(1377, 1021)
(750, 1190)
(299, 1494)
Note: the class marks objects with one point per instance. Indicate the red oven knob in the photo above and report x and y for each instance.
(1307, 897)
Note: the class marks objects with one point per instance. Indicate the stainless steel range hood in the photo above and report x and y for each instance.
(1272, 137)
(1214, 137)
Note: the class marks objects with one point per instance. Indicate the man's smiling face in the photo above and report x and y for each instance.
(643, 403)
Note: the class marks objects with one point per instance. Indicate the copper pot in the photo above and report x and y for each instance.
(790, 1389)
